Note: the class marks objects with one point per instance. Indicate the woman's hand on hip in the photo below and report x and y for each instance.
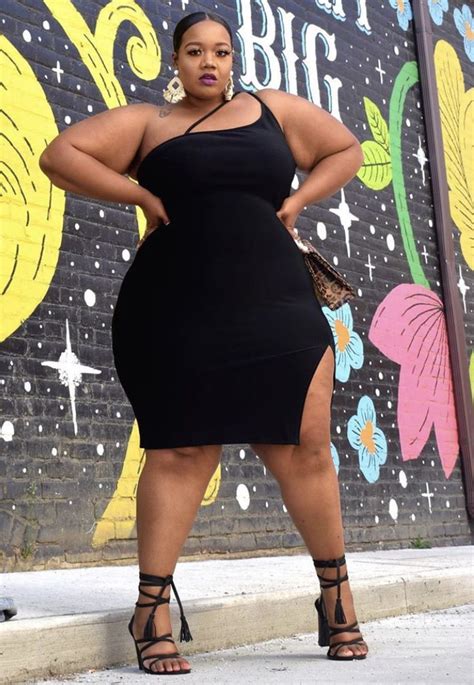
(288, 213)
(155, 214)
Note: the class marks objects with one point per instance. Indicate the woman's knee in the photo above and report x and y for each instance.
(313, 458)
(298, 461)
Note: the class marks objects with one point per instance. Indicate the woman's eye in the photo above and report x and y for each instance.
(225, 52)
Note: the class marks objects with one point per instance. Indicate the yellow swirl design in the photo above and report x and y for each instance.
(31, 208)
(97, 49)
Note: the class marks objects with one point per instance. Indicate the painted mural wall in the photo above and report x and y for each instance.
(69, 454)
(453, 31)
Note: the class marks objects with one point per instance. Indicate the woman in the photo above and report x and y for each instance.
(217, 335)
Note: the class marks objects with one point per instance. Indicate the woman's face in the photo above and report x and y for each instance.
(205, 49)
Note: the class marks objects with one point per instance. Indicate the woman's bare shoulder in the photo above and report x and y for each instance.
(273, 95)
(113, 136)
(281, 100)
(150, 113)
(272, 98)
(311, 132)
(153, 109)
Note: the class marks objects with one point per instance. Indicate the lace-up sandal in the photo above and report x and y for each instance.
(325, 631)
(149, 634)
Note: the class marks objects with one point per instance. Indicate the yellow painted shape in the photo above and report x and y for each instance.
(31, 208)
(96, 50)
(212, 488)
(457, 123)
(471, 375)
(118, 519)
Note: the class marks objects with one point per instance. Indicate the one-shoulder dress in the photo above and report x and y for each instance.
(216, 330)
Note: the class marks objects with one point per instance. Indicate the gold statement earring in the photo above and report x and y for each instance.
(229, 89)
(174, 91)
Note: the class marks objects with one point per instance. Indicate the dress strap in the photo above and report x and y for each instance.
(209, 114)
(255, 96)
(266, 108)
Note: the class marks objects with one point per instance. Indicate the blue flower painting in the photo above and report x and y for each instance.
(348, 344)
(465, 25)
(367, 439)
(404, 13)
(437, 8)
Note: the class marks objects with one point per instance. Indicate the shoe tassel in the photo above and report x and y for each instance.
(339, 615)
(150, 631)
(184, 633)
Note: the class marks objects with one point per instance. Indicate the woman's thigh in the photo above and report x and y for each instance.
(195, 456)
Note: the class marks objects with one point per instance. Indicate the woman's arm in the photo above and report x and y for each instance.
(321, 145)
(330, 174)
(92, 157)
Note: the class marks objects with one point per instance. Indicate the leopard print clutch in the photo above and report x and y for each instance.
(330, 287)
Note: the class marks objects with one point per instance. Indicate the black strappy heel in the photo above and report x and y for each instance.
(325, 631)
(149, 634)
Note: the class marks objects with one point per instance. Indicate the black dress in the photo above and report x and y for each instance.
(216, 331)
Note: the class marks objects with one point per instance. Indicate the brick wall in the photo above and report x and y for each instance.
(69, 459)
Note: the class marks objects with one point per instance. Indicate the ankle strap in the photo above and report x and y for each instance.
(330, 562)
(339, 615)
(148, 579)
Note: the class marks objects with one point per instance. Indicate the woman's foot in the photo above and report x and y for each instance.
(162, 623)
(330, 595)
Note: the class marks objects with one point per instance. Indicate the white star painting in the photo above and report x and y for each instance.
(463, 288)
(70, 372)
(346, 218)
(422, 158)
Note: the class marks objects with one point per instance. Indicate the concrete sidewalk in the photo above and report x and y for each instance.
(437, 647)
(72, 620)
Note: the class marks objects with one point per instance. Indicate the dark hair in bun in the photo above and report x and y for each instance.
(190, 19)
